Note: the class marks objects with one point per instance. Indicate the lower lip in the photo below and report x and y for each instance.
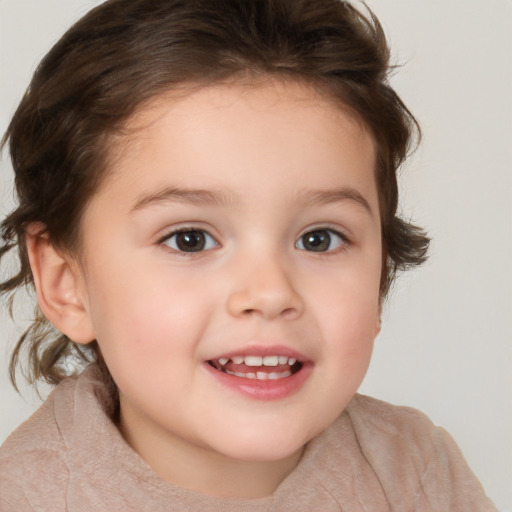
(263, 389)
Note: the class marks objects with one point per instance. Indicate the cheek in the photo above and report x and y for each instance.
(349, 300)
(146, 336)
(148, 315)
(348, 313)
(349, 332)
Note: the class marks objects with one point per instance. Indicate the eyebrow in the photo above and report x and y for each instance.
(183, 195)
(222, 198)
(321, 197)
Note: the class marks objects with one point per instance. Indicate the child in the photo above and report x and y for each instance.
(207, 211)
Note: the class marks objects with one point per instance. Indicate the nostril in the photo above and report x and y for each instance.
(264, 302)
(288, 312)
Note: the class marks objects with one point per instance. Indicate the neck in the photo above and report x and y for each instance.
(228, 478)
(200, 469)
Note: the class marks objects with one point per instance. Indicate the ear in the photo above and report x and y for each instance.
(58, 285)
(378, 326)
(378, 320)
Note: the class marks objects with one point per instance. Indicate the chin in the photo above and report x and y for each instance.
(268, 446)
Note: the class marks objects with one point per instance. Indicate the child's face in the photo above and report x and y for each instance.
(278, 253)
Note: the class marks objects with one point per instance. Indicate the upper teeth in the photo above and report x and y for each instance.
(259, 360)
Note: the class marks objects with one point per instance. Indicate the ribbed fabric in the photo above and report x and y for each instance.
(69, 456)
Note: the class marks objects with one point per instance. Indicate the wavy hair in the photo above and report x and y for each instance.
(126, 52)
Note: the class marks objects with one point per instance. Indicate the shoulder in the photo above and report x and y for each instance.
(383, 441)
(32, 459)
(68, 452)
(390, 422)
(411, 454)
(396, 433)
(40, 430)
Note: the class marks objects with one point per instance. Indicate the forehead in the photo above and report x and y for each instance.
(224, 132)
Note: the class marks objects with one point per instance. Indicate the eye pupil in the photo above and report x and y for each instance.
(317, 241)
(190, 241)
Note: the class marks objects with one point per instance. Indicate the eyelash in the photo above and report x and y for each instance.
(209, 242)
(189, 230)
(344, 241)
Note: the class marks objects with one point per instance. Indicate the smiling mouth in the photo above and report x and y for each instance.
(272, 367)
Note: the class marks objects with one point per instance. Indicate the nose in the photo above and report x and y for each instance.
(264, 289)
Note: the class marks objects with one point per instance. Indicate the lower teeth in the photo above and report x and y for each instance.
(260, 375)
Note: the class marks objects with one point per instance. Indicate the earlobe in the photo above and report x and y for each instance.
(378, 322)
(57, 284)
(378, 326)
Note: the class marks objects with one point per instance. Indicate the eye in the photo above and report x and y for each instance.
(190, 240)
(321, 240)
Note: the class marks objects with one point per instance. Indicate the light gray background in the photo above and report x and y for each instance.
(446, 344)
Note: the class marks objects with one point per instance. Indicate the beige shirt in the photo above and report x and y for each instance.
(376, 457)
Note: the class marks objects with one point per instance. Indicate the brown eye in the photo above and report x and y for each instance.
(193, 240)
(320, 240)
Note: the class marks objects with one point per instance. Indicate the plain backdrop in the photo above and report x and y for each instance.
(446, 343)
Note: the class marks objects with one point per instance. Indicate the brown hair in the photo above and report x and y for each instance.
(126, 52)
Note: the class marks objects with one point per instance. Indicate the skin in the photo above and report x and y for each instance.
(262, 154)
